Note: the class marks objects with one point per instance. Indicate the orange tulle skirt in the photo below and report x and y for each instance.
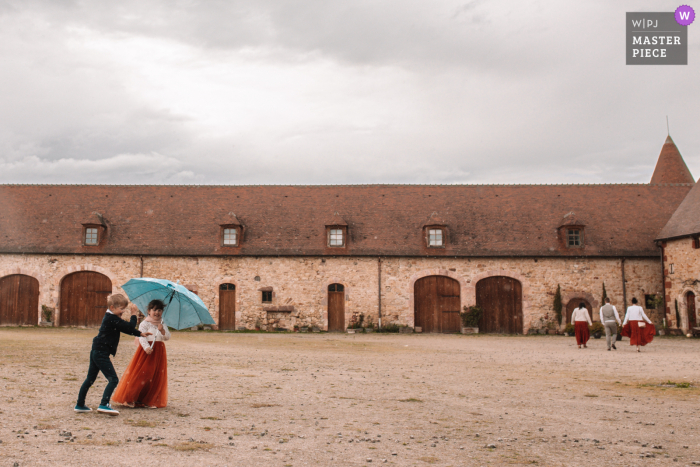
(637, 335)
(582, 333)
(145, 380)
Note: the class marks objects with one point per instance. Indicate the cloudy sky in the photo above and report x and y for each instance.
(330, 92)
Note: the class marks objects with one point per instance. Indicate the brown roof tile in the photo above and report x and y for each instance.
(483, 220)
(686, 220)
(671, 168)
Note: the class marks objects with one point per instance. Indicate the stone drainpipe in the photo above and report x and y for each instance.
(663, 281)
(624, 286)
(379, 294)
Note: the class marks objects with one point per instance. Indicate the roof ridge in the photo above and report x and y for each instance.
(348, 184)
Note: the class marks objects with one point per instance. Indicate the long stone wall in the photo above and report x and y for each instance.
(302, 282)
(684, 277)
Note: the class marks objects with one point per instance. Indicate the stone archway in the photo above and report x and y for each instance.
(574, 303)
(329, 307)
(34, 311)
(56, 296)
(410, 318)
(19, 300)
(437, 302)
(683, 309)
(500, 298)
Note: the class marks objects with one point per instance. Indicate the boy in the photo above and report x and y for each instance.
(104, 344)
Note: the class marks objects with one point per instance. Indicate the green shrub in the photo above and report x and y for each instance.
(471, 316)
(557, 304)
(391, 327)
(597, 327)
(47, 313)
(569, 329)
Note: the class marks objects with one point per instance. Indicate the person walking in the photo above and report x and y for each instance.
(610, 319)
(104, 345)
(637, 326)
(581, 320)
(145, 380)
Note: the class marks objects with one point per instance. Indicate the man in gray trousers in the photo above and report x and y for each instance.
(610, 319)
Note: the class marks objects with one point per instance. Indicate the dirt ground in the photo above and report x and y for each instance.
(338, 399)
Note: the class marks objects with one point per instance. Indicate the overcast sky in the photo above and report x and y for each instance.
(331, 92)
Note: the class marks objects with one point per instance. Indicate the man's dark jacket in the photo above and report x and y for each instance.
(107, 339)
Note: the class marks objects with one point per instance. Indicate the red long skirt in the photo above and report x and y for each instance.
(582, 332)
(145, 380)
(637, 335)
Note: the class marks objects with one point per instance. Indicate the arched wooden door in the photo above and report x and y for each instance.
(19, 300)
(573, 304)
(501, 299)
(84, 298)
(436, 304)
(227, 307)
(336, 308)
(690, 306)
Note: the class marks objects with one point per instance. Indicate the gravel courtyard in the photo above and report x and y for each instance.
(337, 399)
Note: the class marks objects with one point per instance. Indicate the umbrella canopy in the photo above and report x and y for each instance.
(183, 309)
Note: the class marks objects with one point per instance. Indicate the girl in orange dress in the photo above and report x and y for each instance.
(637, 326)
(145, 381)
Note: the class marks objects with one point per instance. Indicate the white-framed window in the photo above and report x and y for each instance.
(574, 238)
(335, 237)
(91, 236)
(230, 237)
(435, 237)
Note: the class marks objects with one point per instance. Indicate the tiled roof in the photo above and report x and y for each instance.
(686, 220)
(670, 167)
(482, 220)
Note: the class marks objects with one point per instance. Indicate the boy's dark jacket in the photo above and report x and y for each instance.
(107, 339)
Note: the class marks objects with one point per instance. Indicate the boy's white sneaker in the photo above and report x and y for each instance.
(107, 409)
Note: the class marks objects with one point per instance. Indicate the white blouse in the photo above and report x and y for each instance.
(635, 313)
(580, 314)
(156, 335)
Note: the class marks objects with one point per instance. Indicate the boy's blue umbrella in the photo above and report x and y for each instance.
(183, 309)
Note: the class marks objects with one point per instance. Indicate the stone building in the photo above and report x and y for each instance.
(680, 243)
(280, 257)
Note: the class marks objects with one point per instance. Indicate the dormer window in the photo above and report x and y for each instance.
(574, 238)
(335, 237)
(92, 236)
(336, 231)
(435, 238)
(230, 237)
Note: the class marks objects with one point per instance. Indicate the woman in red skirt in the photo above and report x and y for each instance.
(637, 326)
(581, 320)
(145, 381)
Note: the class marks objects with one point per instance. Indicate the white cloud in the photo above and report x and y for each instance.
(120, 169)
(333, 92)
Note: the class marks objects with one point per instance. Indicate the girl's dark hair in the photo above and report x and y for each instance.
(582, 305)
(156, 305)
(634, 300)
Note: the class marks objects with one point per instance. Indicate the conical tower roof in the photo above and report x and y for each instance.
(685, 221)
(671, 168)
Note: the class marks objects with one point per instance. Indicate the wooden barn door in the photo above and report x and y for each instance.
(690, 306)
(336, 308)
(19, 300)
(573, 304)
(84, 298)
(227, 307)
(436, 302)
(500, 298)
